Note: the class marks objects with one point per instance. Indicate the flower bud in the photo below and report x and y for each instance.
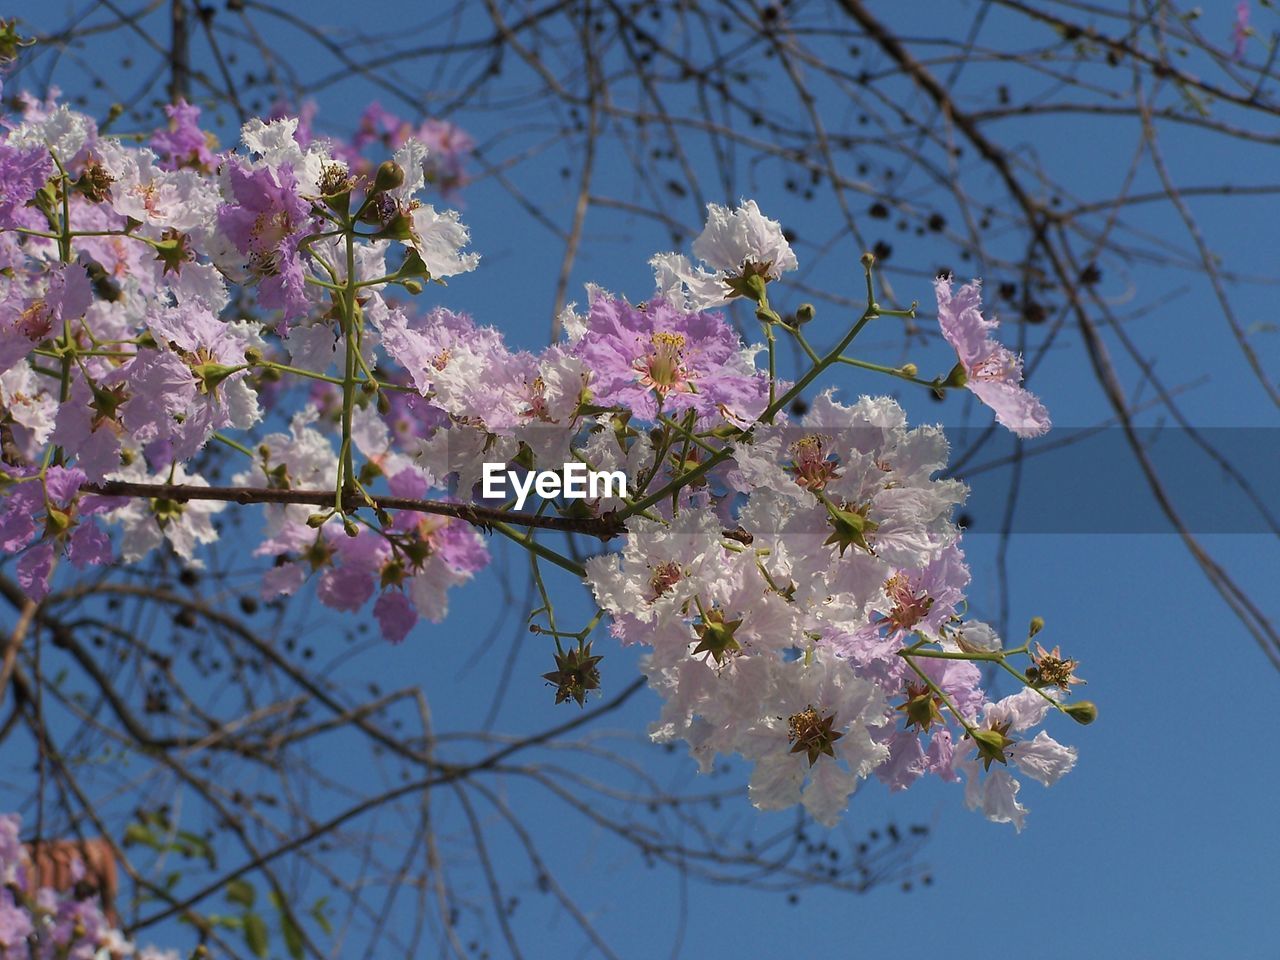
(804, 313)
(389, 176)
(909, 370)
(1037, 624)
(957, 377)
(57, 520)
(1083, 712)
(977, 637)
(317, 519)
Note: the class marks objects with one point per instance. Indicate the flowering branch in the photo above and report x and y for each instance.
(774, 559)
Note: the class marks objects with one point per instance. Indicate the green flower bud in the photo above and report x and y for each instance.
(389, 176)
(804, 313)
(57, 520)
(957, 377)
(211, 375)
(1083, 712)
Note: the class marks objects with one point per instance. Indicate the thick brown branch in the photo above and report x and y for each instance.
(604, 527)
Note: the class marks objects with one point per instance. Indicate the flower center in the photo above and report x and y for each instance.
(665, 576)
(910, 605)
(812, 734)
(269, 231)
(538, 409)
(36, 321)
(663, 367)
(812, 468)
(995, 368)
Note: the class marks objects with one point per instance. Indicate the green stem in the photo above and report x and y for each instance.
(349, 332)
(938, 691)
(235, 446)
(546, 553)
(891, 371)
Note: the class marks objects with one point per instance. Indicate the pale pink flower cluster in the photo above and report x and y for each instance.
(765, 624)
(790, 576)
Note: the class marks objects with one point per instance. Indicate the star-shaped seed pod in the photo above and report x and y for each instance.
(575, 674)
(715, 636)
(851, 528)
(921, 707)
(991, 743)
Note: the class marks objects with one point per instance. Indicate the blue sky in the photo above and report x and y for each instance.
(1162, 842)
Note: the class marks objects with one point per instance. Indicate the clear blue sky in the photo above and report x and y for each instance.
(1163, 842)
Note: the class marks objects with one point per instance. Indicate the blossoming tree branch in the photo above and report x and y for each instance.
(791, 566)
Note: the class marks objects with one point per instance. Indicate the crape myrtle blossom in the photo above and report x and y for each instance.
(411, 564)
(989, 370)
(195, 385)
(796, 579)
(29, 315)
(736, 244)
(182, 143)
(44, 517)
(447, 147)
(137, 185)
(147, 524)
(23, 171)
(660, 357)
(27, 408)
(266, 221)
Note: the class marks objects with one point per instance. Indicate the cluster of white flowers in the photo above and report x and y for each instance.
(776, 612)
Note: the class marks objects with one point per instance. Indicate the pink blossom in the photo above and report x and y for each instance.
(991, 372)
(659, 357)
(1240, 30)
(182, 143)
(266, 219)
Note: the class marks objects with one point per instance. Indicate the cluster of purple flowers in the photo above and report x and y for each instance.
(799, 580)
(41, 923)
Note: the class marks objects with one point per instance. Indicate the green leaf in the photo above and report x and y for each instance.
(288, 929)
(255, 934)
(241, 892)
(197, 846)
(137, 833)
(319, 915)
